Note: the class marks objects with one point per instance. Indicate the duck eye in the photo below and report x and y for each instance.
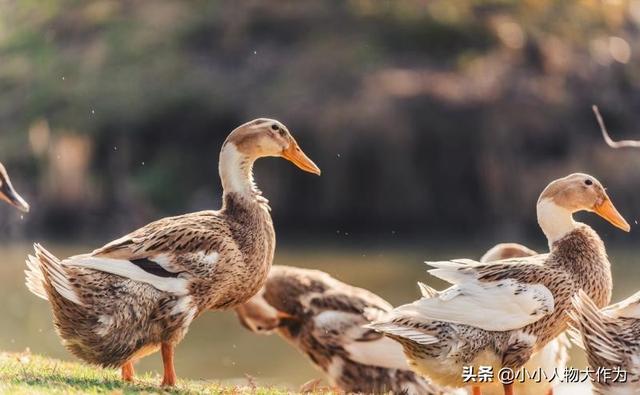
(275, 127)
(588, 182)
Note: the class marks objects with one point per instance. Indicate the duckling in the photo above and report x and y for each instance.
(500, 313)
(141, 292)
(611, 339)
(552, 359)
(323, 318)
(8, 194)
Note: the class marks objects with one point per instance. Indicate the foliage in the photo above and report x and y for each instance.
(435, 116)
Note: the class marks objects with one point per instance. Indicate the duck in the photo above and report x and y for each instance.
(498, 314)
(502, 251)
(9, 194)
(611, 339)
(139, 293)
(323, 318)
(552, 359)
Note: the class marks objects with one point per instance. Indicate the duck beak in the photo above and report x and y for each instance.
(295, 155)
(607, 210)
(281, 315)
(9, 195)
(285, 319)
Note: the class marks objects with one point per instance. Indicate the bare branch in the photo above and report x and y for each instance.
(607, 138)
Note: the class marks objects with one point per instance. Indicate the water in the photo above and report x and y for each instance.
(217, 347)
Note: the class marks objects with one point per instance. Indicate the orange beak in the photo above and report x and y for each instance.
(607, 210)
(285, 319)
(295, 155)
(284, 316)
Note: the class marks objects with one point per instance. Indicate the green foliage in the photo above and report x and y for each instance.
(480, 102)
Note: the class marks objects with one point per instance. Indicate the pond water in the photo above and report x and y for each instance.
(217, 347)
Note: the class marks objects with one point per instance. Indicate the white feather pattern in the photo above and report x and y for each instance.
(494, 306)
(45, 267)
(382, 352)
(35, 278)
(628, 308)
(402, 331)
(426, 291)
(373, 314)
(124, 268)
(574, 334)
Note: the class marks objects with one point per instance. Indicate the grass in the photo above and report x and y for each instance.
(25, 373)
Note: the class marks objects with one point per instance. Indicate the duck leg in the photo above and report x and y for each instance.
(508, 389)
(169, 379)
(310, 386)
(127, 371)
(475, 390)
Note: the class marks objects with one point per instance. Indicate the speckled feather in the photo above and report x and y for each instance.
(611, 341)
(142, 291)
(307, 295)
(99, 329)
(241, 234)
(577, 261)
(552, 358)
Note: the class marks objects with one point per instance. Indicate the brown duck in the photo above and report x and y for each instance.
(553, 357)
(500, 313)
(323, 318)
(8, 194)
(141, 292)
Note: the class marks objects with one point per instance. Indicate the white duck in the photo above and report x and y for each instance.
(500, 313)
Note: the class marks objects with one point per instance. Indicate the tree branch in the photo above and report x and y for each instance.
(607, 138)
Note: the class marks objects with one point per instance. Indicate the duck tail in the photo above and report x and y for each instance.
(47, 278)
(34, 278)
(588, 328)
(427, 291)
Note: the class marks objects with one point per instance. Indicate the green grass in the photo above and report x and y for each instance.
(24, 373)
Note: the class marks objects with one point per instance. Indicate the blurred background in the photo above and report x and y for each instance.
(436, 125)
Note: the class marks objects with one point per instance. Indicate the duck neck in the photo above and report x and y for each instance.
(236, 173)
(555, 221)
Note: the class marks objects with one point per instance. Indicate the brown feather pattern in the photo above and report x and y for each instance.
(577, 261)
(303, 295)
(241, 234)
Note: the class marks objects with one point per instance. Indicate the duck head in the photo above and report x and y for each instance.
(259, 316)
(573, 193)
(265, 137)
(8, 194)
(257, 139)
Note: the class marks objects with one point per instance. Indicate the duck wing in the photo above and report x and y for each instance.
(592, 331)
(494, 297)
(628, 308)
(164, 254)
(339, 319)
